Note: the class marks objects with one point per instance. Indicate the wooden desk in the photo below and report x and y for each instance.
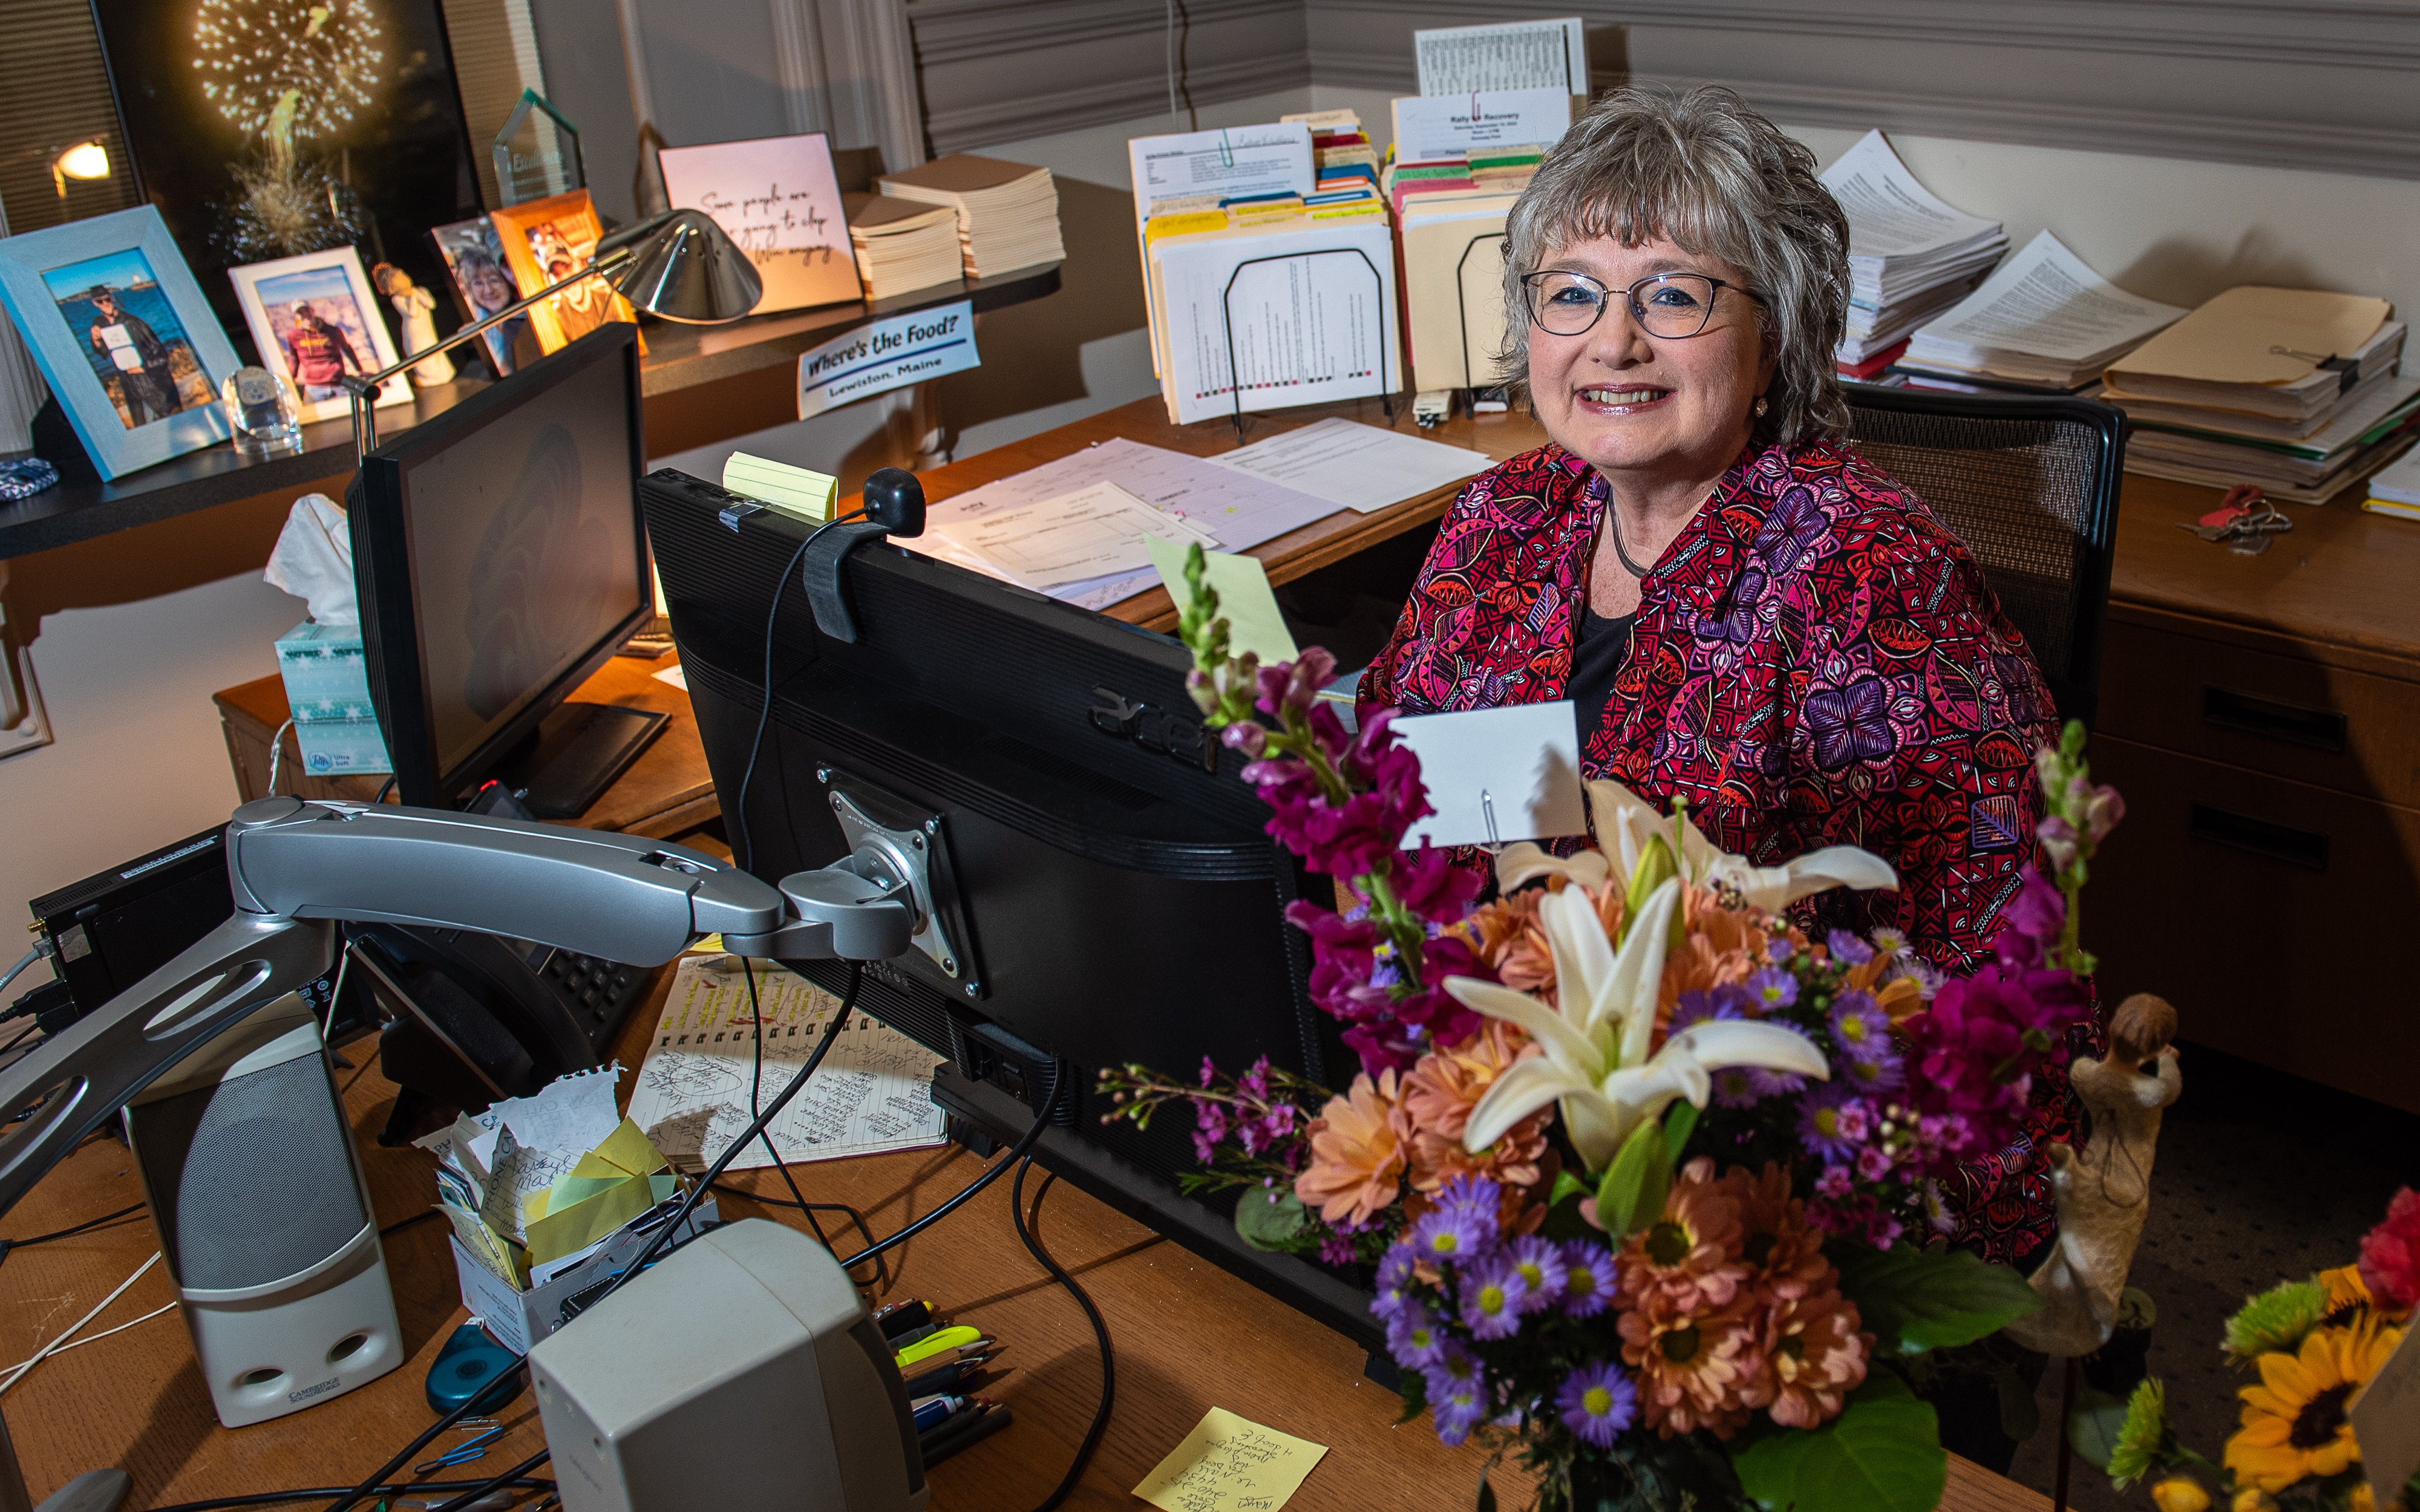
(667, 792)
(1188, 1337)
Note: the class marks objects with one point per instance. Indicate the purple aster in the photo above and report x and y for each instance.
(1457, 1411)
(1765, 1083)
(1779, 950)
(1700, 1007)
(1858, 1021)
(1735, 1088)
(1415, 1340)
(1890, 942)
(1848, 949)
(1541, 1264)
(1589, 1278)
(1456, 1366)
(1395, 1282)
(1820, 1125)
(1446, 1235)
(1598, 1403)
(1875, 1069)
(1476, 1199)
(1492, 1294)
(1772, 988)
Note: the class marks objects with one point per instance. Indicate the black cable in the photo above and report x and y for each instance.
(743, 849)
(384, 788)
(77, 1228)
(798, 1198)
(312, 1492)
(1025, 1143)
(1100, 1330)
(856, 1219)
(420, 1217)
(474, 1493)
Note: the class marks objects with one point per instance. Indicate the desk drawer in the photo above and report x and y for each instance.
(2349, 730)
(2274, 914)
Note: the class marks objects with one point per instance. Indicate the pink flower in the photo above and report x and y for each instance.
(2390, 1254)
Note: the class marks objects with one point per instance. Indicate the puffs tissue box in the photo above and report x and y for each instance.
(327, 692)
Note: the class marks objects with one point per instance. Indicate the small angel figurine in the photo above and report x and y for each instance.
(413, 307)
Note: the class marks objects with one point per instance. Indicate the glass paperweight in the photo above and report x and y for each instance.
(537, 153)
(262, 412)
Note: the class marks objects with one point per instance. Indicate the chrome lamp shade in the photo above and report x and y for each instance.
(682, 267)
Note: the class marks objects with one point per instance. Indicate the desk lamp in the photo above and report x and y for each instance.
(678, 265)
(298, 869)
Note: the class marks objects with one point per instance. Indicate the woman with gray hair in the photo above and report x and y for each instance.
(1746, 614)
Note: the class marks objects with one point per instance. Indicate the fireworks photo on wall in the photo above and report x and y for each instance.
(270, 128)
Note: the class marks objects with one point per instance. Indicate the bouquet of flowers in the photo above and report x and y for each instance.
(2314, 1344)
(1645, 1172)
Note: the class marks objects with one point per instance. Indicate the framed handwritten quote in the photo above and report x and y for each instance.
(777, 198)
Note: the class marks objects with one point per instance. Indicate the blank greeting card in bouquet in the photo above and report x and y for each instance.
(778, 200)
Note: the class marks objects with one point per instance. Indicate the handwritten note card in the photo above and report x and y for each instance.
(1231, 1464)
(777, 197)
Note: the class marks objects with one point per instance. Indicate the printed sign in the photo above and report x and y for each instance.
(887, 354)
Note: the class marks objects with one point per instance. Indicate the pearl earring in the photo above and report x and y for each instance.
(1761, 407)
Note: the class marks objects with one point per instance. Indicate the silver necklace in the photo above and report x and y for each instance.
(1613, 523)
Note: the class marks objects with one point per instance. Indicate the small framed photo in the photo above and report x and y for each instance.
(779, 199)
(314, 319)
(123, 335)
(482, 286)
(546, 241)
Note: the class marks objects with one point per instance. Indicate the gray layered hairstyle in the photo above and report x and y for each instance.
(1716, 178)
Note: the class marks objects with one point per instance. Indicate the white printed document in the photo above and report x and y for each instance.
(1890, 214)
(1361, 466)
(1231, 162)
(1521, 55)
(872, 1093)
(1092, 532)
(1309, 315)
(1495, 776)
(1447, 128)
(2043, 316)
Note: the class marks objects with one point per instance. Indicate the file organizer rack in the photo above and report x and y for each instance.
(1227, 322)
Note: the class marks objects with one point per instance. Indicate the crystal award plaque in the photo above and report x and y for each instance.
(537, 153)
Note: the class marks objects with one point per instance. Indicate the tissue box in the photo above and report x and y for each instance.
(520, 1319)
(327, 692)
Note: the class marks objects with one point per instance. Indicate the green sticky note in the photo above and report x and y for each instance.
(1245, 597)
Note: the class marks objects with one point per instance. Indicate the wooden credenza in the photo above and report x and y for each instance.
(2262, 715)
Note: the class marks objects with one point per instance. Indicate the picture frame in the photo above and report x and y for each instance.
(546, 238)
(137, 390)
(778, 198)
(316, 319)
(482, 285)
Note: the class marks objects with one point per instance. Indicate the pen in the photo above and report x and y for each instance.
(938, 1343)
(934, 1410)
(962, 1431)
(900, 1317)
(944, 1378)
(920, 1332)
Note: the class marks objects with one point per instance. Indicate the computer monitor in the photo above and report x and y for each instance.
(1105, 887)
(501, 559)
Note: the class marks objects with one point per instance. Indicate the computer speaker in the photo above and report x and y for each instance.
(264, 1222)
(895, 501)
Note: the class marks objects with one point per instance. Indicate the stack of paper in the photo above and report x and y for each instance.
(1364, 467)
(1484, 144)
(1008, 212)
(2396, 489)
(2044, 322)
(902, 244)
(1909, 255)
(2293, 389)
(1345, 165)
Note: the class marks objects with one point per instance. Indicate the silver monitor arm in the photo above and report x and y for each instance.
(298, 869)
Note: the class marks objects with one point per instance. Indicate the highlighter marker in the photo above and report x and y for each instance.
(944, 1342)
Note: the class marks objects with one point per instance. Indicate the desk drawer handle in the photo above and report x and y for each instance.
(2278, 842)
(2319, 728)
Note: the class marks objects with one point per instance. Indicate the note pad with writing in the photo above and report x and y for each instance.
(1495, 776)
(1230, 1463)
(801, 492)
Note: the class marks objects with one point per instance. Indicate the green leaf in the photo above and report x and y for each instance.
(1915, 1300)
(1566, 1186)
(2095, 1425)
(1655, 867)
(1636, 1183)
(1882, 1453)
(1486, 1500)
(2020, 1413)
(1680, 1122)
(1268, 1216)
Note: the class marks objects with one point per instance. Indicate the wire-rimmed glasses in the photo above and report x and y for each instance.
(1669, 307)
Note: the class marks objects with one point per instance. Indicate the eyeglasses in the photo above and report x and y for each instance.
(1666, 306)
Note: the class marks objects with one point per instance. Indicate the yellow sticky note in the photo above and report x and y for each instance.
(706, 945)
(565, 1230)
(626, 1151)
(1229, 1464)
(799, 492)
(1245, 597)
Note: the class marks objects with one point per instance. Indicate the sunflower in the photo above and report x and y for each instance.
(2294, 1422)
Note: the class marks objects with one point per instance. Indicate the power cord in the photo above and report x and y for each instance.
(8, 1245)
(1033, 1245)
(311, 1493)
(1023, 1148)
(756, 1091)
(743, 848)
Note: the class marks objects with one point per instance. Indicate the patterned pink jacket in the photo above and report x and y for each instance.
(1816, 661)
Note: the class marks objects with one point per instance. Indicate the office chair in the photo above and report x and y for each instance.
(2030, 484)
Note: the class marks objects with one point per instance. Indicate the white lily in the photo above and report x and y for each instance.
(1596, 1063)
(1625, 823)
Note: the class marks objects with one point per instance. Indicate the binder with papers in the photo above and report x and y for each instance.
(2396, 489)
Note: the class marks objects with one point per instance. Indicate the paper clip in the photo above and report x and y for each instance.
(1226, 151)
(1487, 809)
(461, 1453)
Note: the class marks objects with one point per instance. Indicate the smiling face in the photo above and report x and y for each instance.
(1648, 409)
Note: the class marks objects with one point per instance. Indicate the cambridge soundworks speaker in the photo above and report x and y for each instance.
(263, 1219)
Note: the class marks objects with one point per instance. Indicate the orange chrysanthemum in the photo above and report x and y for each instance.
(1783, 1251)
(1689, 1258)
(1813, 1356)
(1357, 1153)
(1695, 1369)
(1439, 1095)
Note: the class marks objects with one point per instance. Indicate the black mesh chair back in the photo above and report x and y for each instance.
(2030, 484)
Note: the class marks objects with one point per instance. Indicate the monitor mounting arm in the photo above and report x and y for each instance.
(298, 869)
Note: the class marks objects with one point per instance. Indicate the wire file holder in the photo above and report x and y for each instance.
(1461, 304)
(1227, 321)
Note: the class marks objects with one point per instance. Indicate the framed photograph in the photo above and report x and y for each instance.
(482, 286)
(544, 240)
(778, 200)
(265, 130)
(121, 331)
(314, 319)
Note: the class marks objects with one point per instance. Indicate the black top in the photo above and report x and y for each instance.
(1596, 659)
